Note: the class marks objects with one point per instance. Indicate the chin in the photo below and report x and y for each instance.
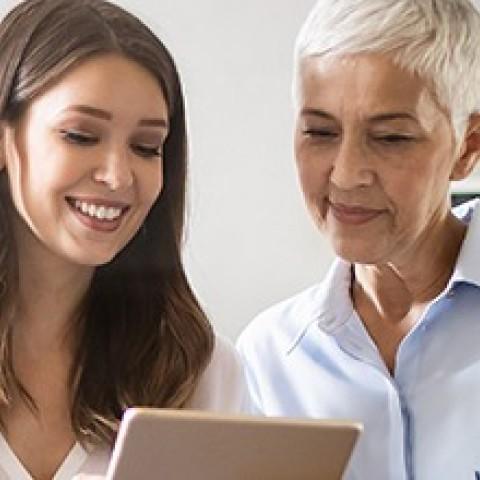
(90, 259)
(353, 252)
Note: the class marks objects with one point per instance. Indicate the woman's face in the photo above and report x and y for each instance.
(375, 154)
(85, 160)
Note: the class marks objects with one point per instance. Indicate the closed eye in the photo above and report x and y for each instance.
(147, 151)
(394, 138)
(78, 138)
(320, 133)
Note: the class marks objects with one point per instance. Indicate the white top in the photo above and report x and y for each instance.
(312, 356)
(221, 389)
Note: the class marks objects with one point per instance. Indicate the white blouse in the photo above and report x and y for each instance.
(221, 388)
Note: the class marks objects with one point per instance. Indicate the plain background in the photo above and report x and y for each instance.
(250, 242)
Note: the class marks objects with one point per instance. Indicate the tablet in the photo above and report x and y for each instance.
(192, 445)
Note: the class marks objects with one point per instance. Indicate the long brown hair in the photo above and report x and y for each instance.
(142, 338)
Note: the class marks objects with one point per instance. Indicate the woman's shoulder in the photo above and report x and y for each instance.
(222, 385)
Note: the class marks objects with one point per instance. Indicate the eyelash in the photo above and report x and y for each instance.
(78, 138)
(320, 133)
(86, 140)
(394, 138)
(147, 152)
(391, 139)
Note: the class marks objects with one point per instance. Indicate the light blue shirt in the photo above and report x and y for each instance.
(312, 356)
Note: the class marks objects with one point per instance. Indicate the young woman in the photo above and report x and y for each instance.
(96, 313)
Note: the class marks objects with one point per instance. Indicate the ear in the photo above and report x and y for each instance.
(470, 151)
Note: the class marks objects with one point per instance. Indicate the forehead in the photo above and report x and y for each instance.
(108, 81)
(364, 82)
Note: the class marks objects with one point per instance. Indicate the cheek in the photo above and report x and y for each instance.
(313, 172)
(410, 203)
(314, 183)
(42, 163)
(151, 183)
(50, 177)
(426, 179)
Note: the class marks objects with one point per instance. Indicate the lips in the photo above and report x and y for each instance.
(98, 214)
(353, 214)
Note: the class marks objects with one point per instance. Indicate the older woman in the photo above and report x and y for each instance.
(388, 96)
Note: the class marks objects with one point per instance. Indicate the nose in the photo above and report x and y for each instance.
(115, 170)
(352, 165)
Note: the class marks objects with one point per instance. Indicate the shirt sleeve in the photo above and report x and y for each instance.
(222, 386)
(248, 357)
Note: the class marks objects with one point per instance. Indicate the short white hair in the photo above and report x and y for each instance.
(439, 40)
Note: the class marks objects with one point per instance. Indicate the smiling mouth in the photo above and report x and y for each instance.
(103, 212)
(353, 214)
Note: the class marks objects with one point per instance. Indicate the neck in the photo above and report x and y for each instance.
(390, 298)
(50, 298)
(397, 287)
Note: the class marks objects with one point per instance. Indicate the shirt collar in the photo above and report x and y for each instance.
(467, 268)
(330, 306)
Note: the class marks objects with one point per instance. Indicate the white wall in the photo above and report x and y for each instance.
(250, 242)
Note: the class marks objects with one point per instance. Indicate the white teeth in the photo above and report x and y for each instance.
(112, 213)
(92, 210)
(101, 212)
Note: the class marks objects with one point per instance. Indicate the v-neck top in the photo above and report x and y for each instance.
(77, 465)
(221, 388)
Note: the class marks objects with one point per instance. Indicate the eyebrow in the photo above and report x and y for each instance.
(104, 115)
(385, 117)
(381, 117)
(316, 112)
